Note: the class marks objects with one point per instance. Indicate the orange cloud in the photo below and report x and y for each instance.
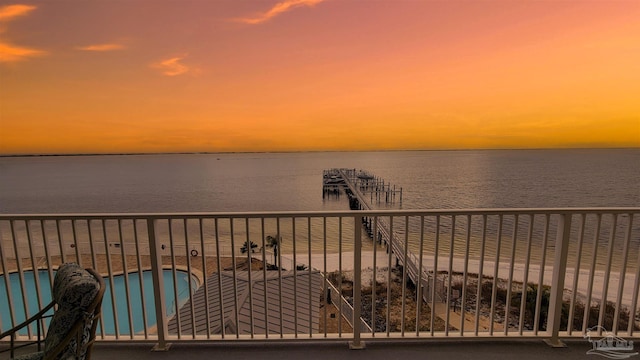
(278, 9)
(12, 53)
(101, 47)
(9, 12)
(172, 66)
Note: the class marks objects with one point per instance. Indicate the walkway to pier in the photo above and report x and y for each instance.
(356, 181)
(349, 177)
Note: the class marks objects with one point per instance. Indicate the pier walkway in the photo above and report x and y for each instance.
(354, 181)
(380, 228)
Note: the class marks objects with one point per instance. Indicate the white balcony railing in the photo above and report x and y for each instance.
(547, 273)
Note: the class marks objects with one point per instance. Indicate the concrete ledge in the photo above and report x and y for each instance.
(339, 350)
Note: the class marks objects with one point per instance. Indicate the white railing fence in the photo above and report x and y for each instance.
(547, 273)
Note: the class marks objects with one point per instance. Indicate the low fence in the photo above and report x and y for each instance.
(547, 273)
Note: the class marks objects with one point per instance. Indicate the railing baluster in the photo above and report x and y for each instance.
(158, 286)
(248, 244)
(310, 278)
(340, 275)
(607, 275)
(480, 273)
(47, 254)
(125, 275)
(374, 276)
(324, 272)
(20, 271)
(76, 248)
(92, 245)
(405, 269)
(34, 266)
(111, 282)
(636, 287)
(63, 257)
(390, 251)
(205, 276)
(419, 282)
(450, 275)
(141, 278)
(507, 305)
(94, 261)
(264, 277)
(576, 275)
(545, 236)
(172, 252)
(236, 311)
(357, 283)
(35, 269)
(435, 275)
(187, 255)
(557, 281)
(622, 278)
(592, 271)
(463, 299)
(219, 274)
(280, 305)
(525, 280)
(496, 268)
(295, 276)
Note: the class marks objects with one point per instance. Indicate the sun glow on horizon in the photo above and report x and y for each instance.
(300, 75)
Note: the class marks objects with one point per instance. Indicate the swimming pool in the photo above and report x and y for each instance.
(109, 318)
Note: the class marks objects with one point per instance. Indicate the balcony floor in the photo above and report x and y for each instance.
(433, 350)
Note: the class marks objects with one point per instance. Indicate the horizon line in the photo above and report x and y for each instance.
(305, 151)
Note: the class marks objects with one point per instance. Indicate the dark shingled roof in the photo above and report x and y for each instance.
(300, 304)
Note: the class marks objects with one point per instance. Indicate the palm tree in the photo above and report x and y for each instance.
(273, 242)
(248, 245)
(245, 249)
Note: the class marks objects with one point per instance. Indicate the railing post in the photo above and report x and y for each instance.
(357, 344)
(158, 287)
(557, 281)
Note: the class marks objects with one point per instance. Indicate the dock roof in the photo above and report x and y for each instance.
(301, 292)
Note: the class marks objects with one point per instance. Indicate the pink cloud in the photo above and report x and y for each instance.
(173, 66)
(278, 9)
(101, 47)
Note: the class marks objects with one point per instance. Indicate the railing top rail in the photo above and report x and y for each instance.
(345, 213)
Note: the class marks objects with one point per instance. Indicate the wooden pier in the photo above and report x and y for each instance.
(370, 186)
(358, 183)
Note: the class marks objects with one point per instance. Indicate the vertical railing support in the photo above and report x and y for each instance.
(357, 343)
(557, 281)
(158, 287)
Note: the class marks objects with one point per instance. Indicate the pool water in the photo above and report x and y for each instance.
(109, 318)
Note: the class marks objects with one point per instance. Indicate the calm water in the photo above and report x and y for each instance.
(293, 181)
(283, 182)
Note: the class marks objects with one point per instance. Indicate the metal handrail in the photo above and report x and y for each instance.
(613, 233)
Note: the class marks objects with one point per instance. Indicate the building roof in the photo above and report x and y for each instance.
(301, 292)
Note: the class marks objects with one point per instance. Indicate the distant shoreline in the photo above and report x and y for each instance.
(309, 151)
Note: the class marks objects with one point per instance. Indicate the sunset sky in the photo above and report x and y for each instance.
(301, 75)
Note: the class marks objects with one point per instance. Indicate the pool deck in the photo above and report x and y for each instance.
(432, 350)
(114, 265)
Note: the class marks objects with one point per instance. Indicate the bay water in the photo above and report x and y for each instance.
(293, 181)
(468, 179)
